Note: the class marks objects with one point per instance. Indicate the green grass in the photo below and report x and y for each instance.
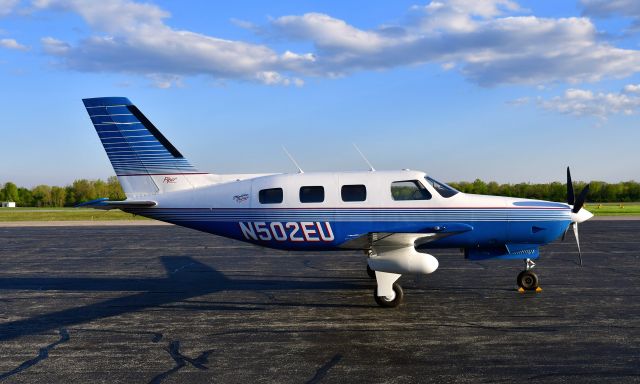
(614, 209)
(64, 214)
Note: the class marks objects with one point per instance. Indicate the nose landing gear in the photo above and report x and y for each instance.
(527, 279)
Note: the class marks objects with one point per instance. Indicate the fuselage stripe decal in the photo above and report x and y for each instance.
(360, 215)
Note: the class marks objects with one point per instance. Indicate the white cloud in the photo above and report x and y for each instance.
(329, 33)
(246, 25)
(7, 6)
(487, 47)
(54, 46)
(519, 101)
(137, 40)
(608, 8)
(113, 16)
(12, 44)
(631, 88)
(164, 81)
(448, 66)
(270, 77)
(459, 15)
(274, 78)
(581, 102)
(489, 42)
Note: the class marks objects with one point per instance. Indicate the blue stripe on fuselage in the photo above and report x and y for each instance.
(490, 225)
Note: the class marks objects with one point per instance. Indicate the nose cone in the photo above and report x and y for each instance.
(582, 216)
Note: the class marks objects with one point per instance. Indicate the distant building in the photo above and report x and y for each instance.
(8, 204)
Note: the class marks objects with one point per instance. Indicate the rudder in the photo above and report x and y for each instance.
(144, 160)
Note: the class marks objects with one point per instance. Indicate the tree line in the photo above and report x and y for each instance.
(84, 190)
(53, 196)
(599, 191)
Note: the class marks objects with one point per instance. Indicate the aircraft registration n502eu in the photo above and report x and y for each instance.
(393, 216)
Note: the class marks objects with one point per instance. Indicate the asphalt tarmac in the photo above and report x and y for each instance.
(162, 304)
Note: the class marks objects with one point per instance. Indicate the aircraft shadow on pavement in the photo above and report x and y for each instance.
(186, 278)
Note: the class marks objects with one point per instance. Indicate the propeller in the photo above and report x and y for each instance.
(580, 202)
(571, 197)
(578, 215)
(575, 233)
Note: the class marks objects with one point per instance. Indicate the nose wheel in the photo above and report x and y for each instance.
(527, 279)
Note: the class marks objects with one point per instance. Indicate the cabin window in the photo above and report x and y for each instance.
(409, 190)
(314, 194)
(443, 189)
(356, 192)
(270, 196)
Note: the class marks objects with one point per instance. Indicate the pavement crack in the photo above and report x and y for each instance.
(308, 264)
(181, 361)
(43, 353)
(322, 371)
(180, 268)
(510, 328)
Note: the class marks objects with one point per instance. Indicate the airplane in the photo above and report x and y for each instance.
(394, 217)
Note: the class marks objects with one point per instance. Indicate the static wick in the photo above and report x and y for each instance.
(364, 158)
(292, 159)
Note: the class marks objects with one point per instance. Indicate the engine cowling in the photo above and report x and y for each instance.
(403, 261)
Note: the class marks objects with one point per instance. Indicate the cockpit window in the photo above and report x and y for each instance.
(443, 189)
(409, 190)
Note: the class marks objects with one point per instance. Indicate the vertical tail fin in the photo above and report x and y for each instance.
(143, 159)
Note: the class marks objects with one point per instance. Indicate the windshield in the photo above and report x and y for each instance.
(409, 190)
(443, 189)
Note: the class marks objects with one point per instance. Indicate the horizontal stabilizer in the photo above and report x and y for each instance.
(105, 203)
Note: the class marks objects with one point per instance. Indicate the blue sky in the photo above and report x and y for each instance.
(501, 90)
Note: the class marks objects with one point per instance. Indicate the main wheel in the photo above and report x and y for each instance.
(371, 272)
(385, 302)
(528, 280)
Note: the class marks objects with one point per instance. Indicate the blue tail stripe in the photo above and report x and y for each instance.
(110, 118)
(105, 101)
(118, 110)
(132, 143)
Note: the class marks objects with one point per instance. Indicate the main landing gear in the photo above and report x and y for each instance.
(391, 262)
(527, 279)
(390, 302)
(388, 293)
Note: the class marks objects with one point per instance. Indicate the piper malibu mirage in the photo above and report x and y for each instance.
(393, 216)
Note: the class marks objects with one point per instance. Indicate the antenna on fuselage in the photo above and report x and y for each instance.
(292, 159)
(364, 157)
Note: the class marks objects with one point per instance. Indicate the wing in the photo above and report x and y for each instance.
(393, 240)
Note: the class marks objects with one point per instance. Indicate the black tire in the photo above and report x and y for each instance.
(371, 272)
(528, 280)
(383, 302)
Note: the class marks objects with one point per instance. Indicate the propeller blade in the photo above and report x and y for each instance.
(580, 202)
(565, 232)
(575, 233)
(571, 198)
